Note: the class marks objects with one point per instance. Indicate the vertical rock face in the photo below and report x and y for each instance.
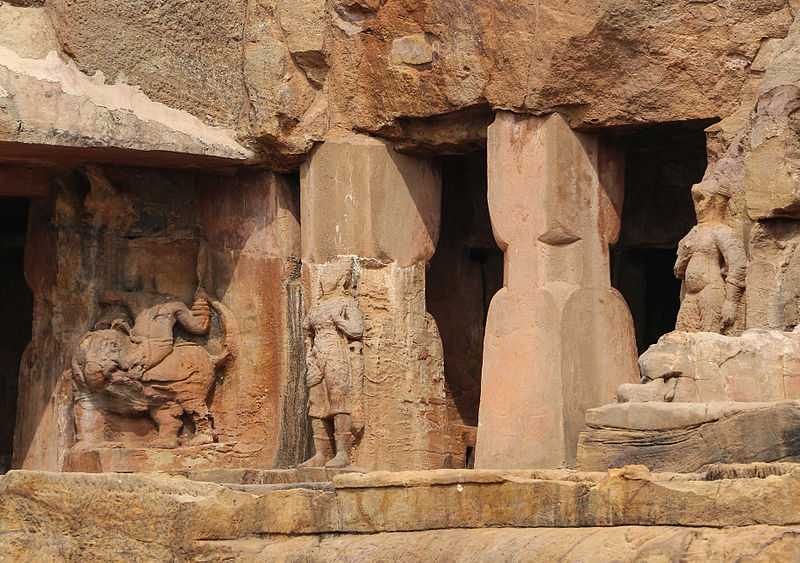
(559, 339)
(362, 200)
(153, 236)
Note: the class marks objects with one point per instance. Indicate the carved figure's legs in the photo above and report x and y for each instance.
(203, 430)
(322, 443)
(90, 422)
(167, 419)
(711, 299)
(702, 311)
(689, 314)
(343, 432)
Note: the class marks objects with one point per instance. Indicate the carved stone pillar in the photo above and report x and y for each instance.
(362, 200)
(558, 339)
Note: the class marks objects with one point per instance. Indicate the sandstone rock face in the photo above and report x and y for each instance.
(362, 198)
(482, 515)
(282, 74)
(379, 210)
(50, 102)
(559, 339)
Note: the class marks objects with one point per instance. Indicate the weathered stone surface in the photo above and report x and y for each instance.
(759, 366)
(27, 32)
(118, 517)
(687, 437)
(283, 73)
(773, 276)
(362, 198)
(770, 160)
(558, 339)
(49, 102)
(187, 55)
(629, 544)
(377, 211)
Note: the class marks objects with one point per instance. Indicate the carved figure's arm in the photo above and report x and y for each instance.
(307, 333)
(732, 250)
(351, 321)
(683, 258)
(733, 253)
(196, 320)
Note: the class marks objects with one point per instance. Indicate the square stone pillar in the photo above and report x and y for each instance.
(559, 339)
(363, 202)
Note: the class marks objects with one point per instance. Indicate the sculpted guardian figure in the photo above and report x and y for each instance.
(331, 327)
(712, 264)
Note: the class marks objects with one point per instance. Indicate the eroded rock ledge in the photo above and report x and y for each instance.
(357, 516)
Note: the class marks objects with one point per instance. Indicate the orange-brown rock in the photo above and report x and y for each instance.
(478, 515)
(283, 73)
(144, 240)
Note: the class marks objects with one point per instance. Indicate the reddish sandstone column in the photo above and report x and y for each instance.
(364, 203)
(558, 339)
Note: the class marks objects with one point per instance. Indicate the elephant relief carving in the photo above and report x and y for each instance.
(141, 370)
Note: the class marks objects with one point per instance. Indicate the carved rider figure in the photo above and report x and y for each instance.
(152, 333)
(712, 264)
(142, 370)
(331, 327)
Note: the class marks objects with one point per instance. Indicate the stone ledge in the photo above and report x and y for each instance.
(687, 437)
(669, 416)
(622, 544)
(183, 511)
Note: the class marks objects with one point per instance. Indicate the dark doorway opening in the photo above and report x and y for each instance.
(16, 310)
(662, 164)
(464, 275)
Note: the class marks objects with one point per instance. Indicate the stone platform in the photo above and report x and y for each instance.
(628, 514)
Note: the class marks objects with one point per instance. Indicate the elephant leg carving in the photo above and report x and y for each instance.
(90, 424)
(203, 429)
(168, 421)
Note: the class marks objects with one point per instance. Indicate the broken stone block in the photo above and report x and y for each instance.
(702, 367)
(689, 437)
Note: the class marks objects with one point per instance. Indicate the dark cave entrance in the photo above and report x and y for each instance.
(464, 275)
(16, 310)
(662, 164)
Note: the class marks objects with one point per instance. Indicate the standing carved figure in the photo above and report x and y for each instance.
(332, 327)
(712, 264)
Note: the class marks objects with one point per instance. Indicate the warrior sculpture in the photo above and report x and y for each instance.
(331, 327)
